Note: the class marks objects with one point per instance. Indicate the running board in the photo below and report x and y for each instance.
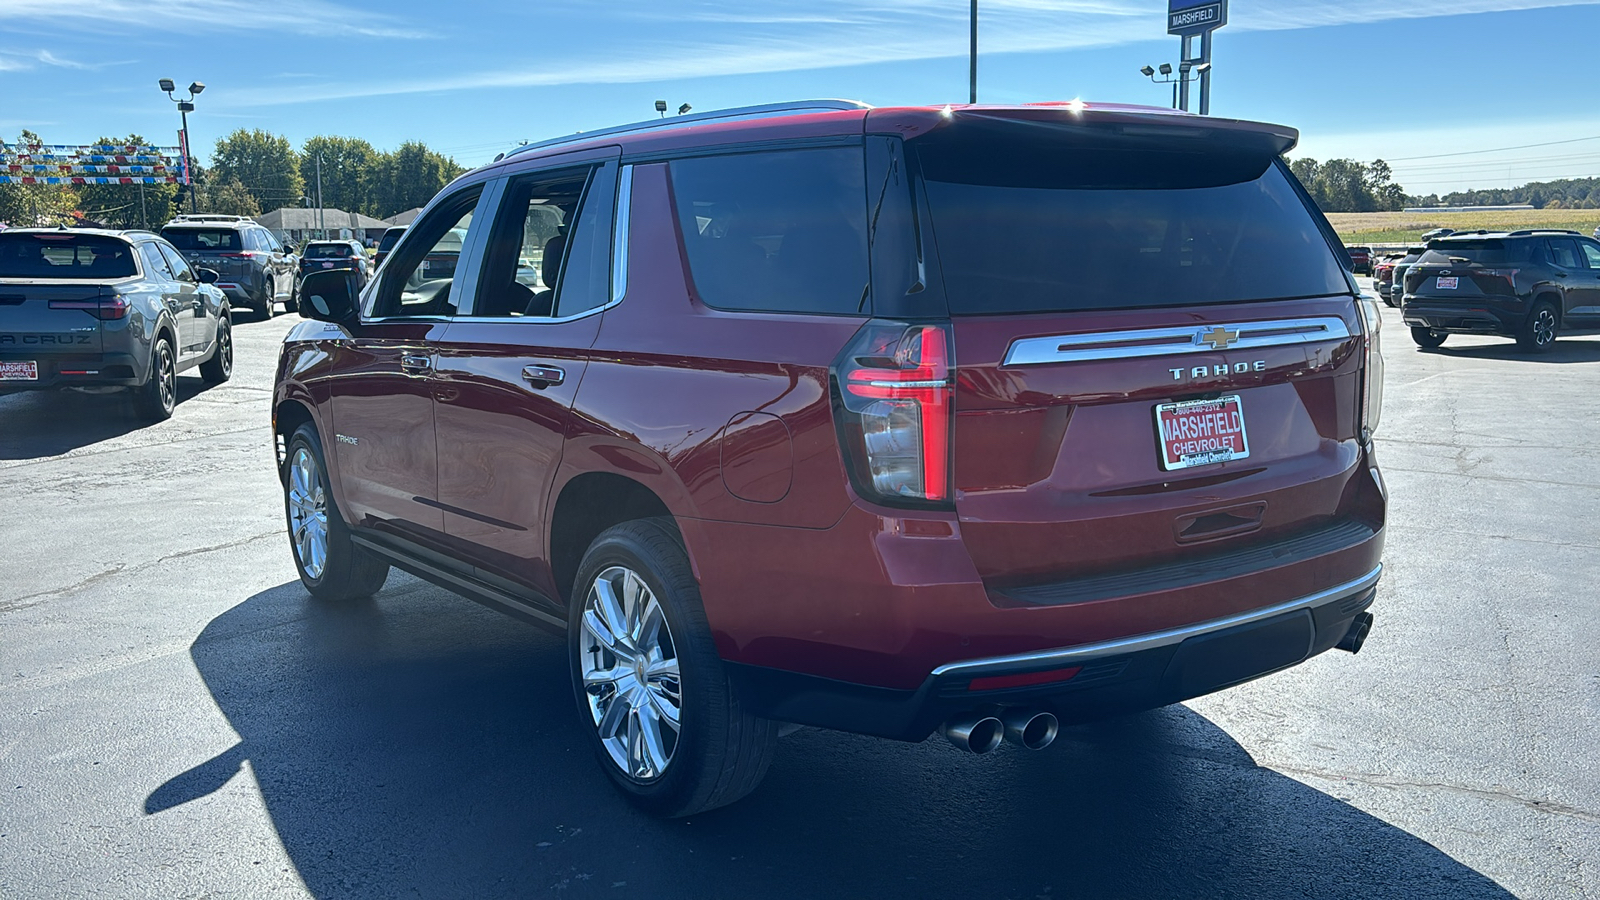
(533, 608)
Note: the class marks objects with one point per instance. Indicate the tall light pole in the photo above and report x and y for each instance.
(185, 107)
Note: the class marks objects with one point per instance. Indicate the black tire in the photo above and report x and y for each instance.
(292, 305)
(1426, 338)
(219, 367)
(720, 752)
(345, 570)
(1539, 331)
(269, 296)
(158, 396)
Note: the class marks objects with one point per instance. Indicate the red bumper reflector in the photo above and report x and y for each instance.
(1000, 682)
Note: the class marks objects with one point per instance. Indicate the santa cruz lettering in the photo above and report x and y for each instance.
(40, 340)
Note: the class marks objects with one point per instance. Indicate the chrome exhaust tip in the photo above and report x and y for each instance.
(974, 732)
(1357, 635)
(1030, 728)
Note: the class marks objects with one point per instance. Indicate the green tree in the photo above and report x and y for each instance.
(263, 163)
(409, 177)
(349, 166)
(121, 205)
(37, 204)
(228, 198)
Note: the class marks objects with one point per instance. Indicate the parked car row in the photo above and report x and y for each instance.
(97, 310)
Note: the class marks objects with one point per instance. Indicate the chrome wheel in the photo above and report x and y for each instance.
(225, 347)
(308, 513)
(630, 674)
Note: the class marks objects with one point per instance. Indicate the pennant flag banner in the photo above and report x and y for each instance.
(91, 164)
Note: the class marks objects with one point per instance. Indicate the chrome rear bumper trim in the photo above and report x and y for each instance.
(1146, 342)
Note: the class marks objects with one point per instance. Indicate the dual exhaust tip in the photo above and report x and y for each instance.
(981, 732)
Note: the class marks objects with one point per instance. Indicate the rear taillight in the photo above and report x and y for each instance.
(1372, 367)
(114, 306)
(894, 397)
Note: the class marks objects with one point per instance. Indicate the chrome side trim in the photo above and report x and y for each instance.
(619, 236)
(1145, 342)
(1153, 640)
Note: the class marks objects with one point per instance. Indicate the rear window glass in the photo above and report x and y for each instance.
(65, 256)
(1483, 253)
(783, 231)
(328, 251)
(389, 239)
(1040, 226)
(203, 238)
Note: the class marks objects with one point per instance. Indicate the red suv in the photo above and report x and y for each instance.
(968, 419)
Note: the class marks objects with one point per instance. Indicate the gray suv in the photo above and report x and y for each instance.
(93, 310)
(254, 268)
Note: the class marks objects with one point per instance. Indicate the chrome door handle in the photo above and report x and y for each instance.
(543, 376)
(418, 363)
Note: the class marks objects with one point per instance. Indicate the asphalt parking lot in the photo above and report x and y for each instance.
(178, 719)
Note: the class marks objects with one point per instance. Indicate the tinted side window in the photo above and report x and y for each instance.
(1564, 253)
(586, 275)
(524, 257)
(779, 231)
(1592, 251)
(175, 261)
(155, 265)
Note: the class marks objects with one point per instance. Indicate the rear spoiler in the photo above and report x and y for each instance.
(1097, 124)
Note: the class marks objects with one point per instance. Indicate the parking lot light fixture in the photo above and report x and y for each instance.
(1166, 68)
(167, 85)
(1147, 72)
(197, 87)
(185, 106)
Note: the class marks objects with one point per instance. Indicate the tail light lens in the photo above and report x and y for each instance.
(111, 306)
(1372, 367)
(893, 398)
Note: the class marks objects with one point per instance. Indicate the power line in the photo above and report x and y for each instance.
(1495, 150)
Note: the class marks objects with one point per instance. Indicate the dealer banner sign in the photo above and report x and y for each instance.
(1195, 16)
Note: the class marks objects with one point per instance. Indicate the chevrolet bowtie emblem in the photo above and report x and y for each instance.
(1219, 338)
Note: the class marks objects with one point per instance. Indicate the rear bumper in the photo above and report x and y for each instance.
(1079, 683)
(99, 370)
(1487, 317)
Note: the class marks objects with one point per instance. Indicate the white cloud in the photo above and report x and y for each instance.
(320, 17)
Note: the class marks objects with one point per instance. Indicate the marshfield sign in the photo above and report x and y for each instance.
(1195, 16)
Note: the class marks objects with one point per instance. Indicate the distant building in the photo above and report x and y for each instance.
(404, 218)
(299, 224)
(1465, 209)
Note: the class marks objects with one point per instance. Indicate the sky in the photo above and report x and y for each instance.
(1460, 94)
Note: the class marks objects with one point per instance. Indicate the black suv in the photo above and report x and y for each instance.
(1527, 285)
(255, 269)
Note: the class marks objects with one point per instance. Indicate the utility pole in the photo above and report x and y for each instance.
(972, 57)
(322, 228)
(144, 217)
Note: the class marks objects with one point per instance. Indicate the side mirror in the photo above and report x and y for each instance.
(330, 295)
(207, 276)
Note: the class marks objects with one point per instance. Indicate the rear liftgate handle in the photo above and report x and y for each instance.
(541, 377)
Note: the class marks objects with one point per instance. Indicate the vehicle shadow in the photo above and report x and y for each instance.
(417, 745)
(1565, 350)
(49, 423)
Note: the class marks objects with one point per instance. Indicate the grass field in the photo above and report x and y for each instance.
(1399, 227)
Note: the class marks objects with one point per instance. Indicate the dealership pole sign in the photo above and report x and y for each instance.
(1186, 17)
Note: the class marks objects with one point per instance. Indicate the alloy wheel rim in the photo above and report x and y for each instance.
(308, 513)
(1544, 327)
(168, 377)
(226, 339)
(631, 680)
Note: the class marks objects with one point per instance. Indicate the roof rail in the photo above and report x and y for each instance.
(210, 217)
(740, 112)
(1525, 232)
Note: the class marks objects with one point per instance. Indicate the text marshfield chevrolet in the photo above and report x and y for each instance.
(968, 419)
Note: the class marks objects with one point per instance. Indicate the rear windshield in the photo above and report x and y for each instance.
(65, 256)
(1483, 253)
(203, 238)
(328, 251)
(1039, 226)
(389, 239)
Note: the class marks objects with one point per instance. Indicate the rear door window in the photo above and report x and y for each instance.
(777, 231)
(1037, 226)
(175, 262)
(1564, 253)
(155, 265)
(64, 255)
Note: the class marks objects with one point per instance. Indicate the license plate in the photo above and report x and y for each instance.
(327, 265)
(19, 371)
(1201, 432)
(1447, 284)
